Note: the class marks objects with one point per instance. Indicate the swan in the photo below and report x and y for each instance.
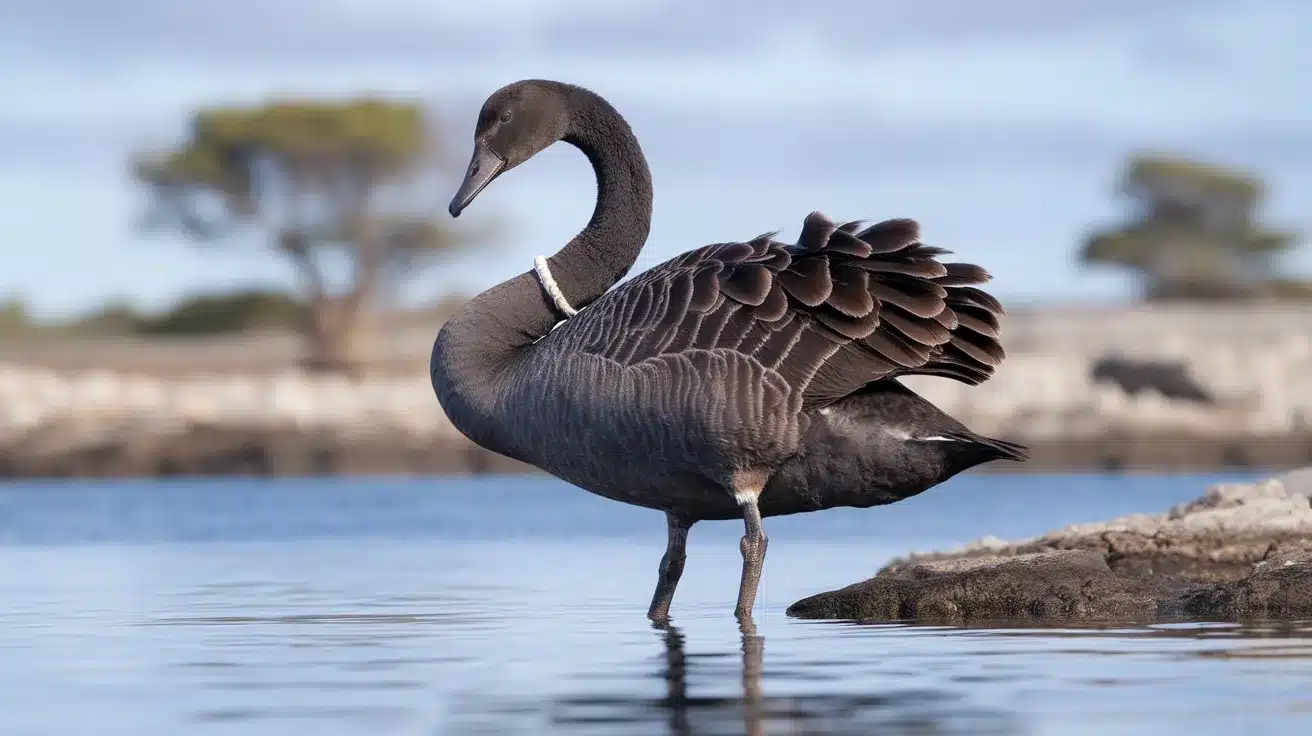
(740, 380)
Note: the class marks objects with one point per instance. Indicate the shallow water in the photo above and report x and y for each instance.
(516, 605)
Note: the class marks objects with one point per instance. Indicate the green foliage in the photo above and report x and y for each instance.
(114, 319)
(13, 317)
(211, 314)
(197, 315)
(1189, 181)
(1281, 288)
(329, 150)
(313, 175)
(1193, 233)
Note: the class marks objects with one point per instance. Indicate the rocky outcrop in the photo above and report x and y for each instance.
(1043, 585)
(130, 449)
(1240, 551)
(1218, 536)
(1279, 587)
(103, 424)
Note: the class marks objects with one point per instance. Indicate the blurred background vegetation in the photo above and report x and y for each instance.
(1194, 232)
(317, 179)
(199, 315)
(320, 184)
(324, 181)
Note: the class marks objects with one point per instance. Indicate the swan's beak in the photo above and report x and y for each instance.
(483, 168)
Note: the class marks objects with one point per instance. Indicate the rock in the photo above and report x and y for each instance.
(1279, 587)
(1298, 482)
(1241, 551)
(1169, 378)
(144, 448)
(1217, 537)
(1068, 585)
(1045, 585)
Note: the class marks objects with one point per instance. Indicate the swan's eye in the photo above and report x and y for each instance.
(505, 116)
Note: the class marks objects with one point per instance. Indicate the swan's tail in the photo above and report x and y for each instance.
(1001, 449)
(1006, 450)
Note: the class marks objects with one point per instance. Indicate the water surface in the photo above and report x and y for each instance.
(516, 605)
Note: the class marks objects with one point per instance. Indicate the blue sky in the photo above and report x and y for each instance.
(1001, 126)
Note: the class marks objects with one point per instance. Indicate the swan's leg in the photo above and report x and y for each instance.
(671, 567)
(753, 548)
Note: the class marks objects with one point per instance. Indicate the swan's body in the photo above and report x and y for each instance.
(738, 380)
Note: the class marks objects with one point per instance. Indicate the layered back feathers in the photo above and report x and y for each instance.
(843, 306)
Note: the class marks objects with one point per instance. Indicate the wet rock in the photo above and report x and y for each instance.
(1045, 585)
(1241, 551)
(1279, 587)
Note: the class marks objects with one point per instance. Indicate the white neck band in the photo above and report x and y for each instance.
(549, 283)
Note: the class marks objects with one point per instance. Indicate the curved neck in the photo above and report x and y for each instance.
(607, 248)
(479, 345)
(520, 310)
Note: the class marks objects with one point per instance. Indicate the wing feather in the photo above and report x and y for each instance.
(830, 313)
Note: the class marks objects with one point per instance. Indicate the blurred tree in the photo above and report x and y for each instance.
(1193, 233)
(318, 179)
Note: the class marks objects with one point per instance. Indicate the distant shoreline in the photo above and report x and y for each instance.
(147, 408)
(228, 451)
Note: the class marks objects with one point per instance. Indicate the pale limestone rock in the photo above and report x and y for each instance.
(1230, 526)
(1298, 482)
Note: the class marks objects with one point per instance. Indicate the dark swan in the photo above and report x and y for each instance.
(738, 380)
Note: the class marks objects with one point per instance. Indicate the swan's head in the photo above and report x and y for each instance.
(516, 122)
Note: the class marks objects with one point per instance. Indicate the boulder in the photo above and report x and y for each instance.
(1042, 585)
(1279, 588)
(1217, 537)
(1241, 551)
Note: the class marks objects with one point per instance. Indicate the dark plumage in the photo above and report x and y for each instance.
(737, 380)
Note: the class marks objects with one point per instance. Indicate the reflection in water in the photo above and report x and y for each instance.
(339, 613)
(887, 709)
(384, 690)
(678, 713)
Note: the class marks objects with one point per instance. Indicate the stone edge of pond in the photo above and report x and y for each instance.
(1240, 551)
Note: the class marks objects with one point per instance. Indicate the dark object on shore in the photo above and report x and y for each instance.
(1044, 585)
(1169, 378)
(737, 380)
(1241, 551)
(1067, 585)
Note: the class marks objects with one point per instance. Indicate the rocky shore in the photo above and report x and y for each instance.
(105, 424)
(1241, 551)
(100, 423)
(238, 405)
